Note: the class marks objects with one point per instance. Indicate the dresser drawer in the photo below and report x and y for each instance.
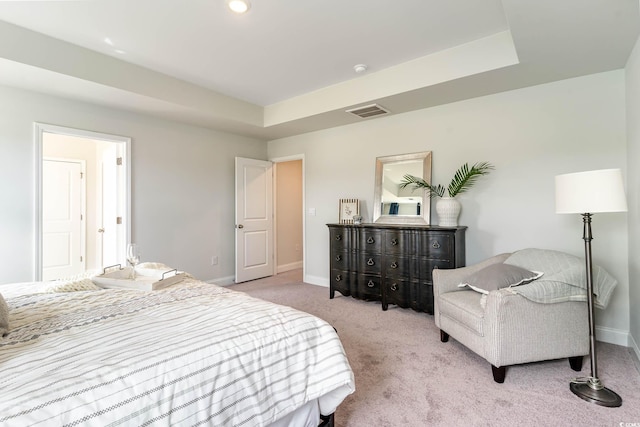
(370, 241)
(426, 266)
(425, 297)
(340, 281)
(339, 260)
(396, 266)
(437, 246)
(339, 239)
(369, 262)
(368, 287)
(398, 242)
(396, 291)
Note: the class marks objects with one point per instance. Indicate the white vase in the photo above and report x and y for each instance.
(448, 209)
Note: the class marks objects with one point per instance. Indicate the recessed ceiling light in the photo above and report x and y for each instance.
(239, 6)
(360, 68)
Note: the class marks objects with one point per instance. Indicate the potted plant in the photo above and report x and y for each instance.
(448, 207)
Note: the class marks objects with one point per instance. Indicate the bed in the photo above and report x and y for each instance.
(191, 354)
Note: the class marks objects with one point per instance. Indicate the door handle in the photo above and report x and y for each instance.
(100, 230)
(240, 226)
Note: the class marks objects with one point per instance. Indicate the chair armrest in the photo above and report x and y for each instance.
(447, 280)
(517, 330)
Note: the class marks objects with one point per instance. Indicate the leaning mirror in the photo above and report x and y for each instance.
(392, 204)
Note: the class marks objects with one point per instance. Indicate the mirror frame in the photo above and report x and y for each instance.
(425, 216)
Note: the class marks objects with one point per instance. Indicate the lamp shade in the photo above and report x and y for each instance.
(590, 192)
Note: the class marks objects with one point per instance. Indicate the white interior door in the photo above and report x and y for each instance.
(109, 228)
(62, 219)
(254, 219)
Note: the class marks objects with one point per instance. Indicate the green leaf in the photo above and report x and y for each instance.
(464, 178)
(417, 182)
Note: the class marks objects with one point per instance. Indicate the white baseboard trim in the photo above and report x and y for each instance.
(222, 281)
(635, 348)
(316, 280)
(612, 336)
(288, 267)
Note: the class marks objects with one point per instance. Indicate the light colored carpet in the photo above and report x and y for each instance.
(406, 377)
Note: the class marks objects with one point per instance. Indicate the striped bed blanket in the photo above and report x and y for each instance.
(191, 354)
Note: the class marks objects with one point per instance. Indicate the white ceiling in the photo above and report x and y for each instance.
(286, 67)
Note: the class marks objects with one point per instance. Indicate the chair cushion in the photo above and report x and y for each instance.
(464, 307)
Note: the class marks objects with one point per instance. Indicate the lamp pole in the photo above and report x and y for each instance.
(591, 389)
(588, 237)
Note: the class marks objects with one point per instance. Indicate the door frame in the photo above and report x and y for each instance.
(39, 130)
(275, 161)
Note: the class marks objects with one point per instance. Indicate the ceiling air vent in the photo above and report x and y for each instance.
(368, 111)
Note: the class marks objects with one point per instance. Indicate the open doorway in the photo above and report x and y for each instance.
(289, 213)
(83, 201)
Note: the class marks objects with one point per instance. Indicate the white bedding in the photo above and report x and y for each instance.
(191, 354)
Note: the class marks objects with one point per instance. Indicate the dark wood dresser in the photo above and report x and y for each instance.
(392, 263)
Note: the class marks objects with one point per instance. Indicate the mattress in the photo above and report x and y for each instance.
(191, 354)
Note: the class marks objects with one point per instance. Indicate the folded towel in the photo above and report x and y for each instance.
(153, 266)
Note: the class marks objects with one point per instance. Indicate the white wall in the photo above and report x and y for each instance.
(633, 180)
(530, 135)
(288, 204)
(182, 183)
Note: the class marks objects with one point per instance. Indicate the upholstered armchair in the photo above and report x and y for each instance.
(506, 328)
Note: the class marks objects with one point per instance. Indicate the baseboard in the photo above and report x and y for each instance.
(316, 280)
(222, 281)
(289, 267)
(612, 336)
(634, 349)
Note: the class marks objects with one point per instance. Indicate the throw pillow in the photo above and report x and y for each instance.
(498, 276)
(565, 277)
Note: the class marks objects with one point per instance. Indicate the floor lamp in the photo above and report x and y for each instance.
(587, 193)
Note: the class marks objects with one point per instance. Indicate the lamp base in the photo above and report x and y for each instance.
(600, 396)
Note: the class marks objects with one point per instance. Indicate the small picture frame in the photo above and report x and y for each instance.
(348, 208)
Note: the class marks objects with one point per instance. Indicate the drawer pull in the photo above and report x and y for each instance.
(435, 245)
(338, 277)
(338, 258)
(394, 287)
(394, 264)
(394, 242)
(371, 240)
(339, 237)
(371, 284)
(370, 262)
